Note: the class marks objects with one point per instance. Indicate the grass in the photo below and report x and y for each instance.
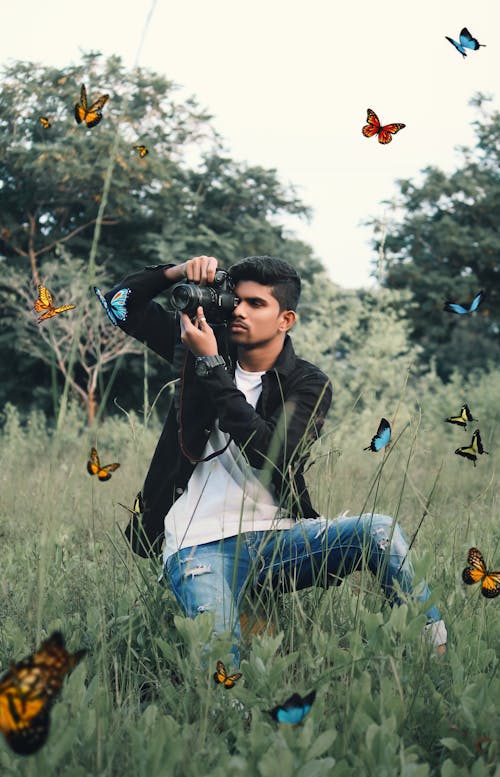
(143, 702)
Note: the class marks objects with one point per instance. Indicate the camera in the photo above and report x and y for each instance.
(218, 300)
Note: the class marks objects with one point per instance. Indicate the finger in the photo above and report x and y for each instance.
(200, 318)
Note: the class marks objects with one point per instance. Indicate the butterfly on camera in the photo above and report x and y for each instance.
(28, 691)
(462, 419)
(382, 438)
(116, 309)
(45, 306)
(90, 115)
(461, 310)
(374, 127)
(94, 466)
(294, 709)
(466, 41)
(476, 572)
(473, 450)
(222, 678)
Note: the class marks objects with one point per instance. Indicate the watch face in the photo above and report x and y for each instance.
(200, 368)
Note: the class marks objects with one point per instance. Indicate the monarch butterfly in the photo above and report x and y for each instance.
(466, 42)
(294, 709)
(221, 676)
(473, 450)
(44, 122)
(454, 307)
(374, 127)
(463, 418)
(116, 309)
(382, 438)
(28, 690)
(92, 115)
(476, 572)
(142, 151)
(94, 466)
(44, 302)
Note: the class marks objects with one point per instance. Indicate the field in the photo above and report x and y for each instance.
(142, 702)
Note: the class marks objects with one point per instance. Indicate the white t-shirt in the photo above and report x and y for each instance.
(223, 496)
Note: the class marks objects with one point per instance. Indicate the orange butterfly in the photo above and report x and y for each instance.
(94, 466)
(374, 127)
(44, 122)
(28, 690)
(44, 303)
(142, 151)
(476, 572)
(92, 115)
(221, 676)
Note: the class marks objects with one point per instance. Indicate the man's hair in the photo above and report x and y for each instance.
(269, 271)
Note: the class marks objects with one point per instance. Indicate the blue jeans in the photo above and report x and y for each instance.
(214, 576)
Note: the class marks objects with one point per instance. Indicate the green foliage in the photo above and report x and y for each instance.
(443, 242)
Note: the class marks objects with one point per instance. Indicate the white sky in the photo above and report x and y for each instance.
(289, 83)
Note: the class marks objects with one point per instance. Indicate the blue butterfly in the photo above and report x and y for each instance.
(382, 438)
(466, 42)
(454, 307)
(116, 310)
(294, 709)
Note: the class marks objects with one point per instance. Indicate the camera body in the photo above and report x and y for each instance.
(217, 300)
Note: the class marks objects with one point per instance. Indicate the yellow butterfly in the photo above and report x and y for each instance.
(28, 691)
(476, 572)
(44, 122)
(473, 450)
(94, 466)
(92, 115)
(142, 151)
(221, 676)
(138, 507)
(463, 418)
(44, 303)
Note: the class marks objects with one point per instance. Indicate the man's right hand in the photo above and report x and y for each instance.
(200, 269)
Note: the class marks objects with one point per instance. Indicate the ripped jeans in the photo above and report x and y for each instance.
(214, 576)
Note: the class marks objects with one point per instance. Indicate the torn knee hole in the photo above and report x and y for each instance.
(202, 569)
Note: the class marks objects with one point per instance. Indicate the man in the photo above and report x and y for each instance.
(226, 481)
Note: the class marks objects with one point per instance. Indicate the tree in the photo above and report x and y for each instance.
(88, 191)
(443, 242)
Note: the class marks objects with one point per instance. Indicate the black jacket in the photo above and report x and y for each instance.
(276, 437)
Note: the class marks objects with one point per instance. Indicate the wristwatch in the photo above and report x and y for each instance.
(203, 365)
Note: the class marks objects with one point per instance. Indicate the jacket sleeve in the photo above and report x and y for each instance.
(284, 439)
(146, 320)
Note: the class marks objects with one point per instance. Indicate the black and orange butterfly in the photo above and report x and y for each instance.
(374, 127)
(94, 466)
(141, 150)
(44, 303)
(476, 572)
(28, 691)
(221, 676)
(92, 115)
(473, 450)
(44, 122)
(462, 419)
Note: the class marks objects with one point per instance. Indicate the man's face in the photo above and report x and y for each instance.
(257, 319)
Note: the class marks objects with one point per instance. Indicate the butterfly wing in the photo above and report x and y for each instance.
(457, 46)
(44, 301)
(118, 304)
(81, 107)
(388, 130)
(476, 301)
(373, 126)
(93, 116)
(54, 311)
(142, 151)
(44, 122)
(469, 451)
(466, 413)
(382, 438)
(102, 299)
(294, 709)
(454, 307)
(467, 41)
(93, 465)
(477, 443)
(104, 473)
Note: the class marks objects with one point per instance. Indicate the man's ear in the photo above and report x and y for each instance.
(288, 319)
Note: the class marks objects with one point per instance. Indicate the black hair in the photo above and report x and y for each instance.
(269, 271)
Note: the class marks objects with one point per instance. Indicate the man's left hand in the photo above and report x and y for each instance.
(197, 335)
